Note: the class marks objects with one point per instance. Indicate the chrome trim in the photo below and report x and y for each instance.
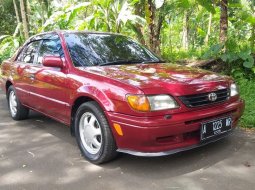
(165, 153)
(44, 97)
(20, 89)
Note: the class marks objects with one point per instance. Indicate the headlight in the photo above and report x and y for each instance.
(162, 102)
(234, 90)
(151, 103)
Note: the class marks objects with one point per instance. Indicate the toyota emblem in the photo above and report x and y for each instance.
(212, 97)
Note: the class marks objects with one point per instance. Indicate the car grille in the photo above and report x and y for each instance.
(203, 99)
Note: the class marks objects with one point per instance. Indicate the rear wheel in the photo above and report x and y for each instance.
(93, 134)
(17, 110)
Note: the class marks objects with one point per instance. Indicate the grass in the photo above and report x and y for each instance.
(247, 91)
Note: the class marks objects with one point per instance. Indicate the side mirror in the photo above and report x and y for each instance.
(52, 61)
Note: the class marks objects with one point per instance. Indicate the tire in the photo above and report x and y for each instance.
(93, 134)
(17, 110)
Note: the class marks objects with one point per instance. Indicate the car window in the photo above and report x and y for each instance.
(99, 49)
(30, 52)
(50, 47)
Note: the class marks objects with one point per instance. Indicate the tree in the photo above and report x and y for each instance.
(17, 17)
(150, 17)
(24, 19)
(185, 31)
(248, 13)
(174, 29)
(223, 21)
(7, 17)
(155, 15)
(208, 29)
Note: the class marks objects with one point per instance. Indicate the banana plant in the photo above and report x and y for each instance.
(111, 16)
(65, 18)
(8, 45)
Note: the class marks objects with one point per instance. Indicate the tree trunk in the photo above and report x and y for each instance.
(157, 40)
(252, 37)
(155, 24)
(24, 19)
(151, 19)
(253, 28)
(16, 11)
(223, 21)
(42, 11)
(170, 37)
(28, 11)
(185, 31)
(17, 17)
(208, 30)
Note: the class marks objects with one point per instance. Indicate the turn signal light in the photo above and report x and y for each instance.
(139, 102)
(118, 129)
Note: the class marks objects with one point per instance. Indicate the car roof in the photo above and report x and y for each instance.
(86, 32)
(53, 34)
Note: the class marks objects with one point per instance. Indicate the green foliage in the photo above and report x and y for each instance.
(175, 55)
(7, 18)
(64, 18)
(133, 18)
(208, 4)
(8, 46)
(247, 89)
(240, 60)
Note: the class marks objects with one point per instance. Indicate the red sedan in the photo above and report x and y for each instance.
(118, 96)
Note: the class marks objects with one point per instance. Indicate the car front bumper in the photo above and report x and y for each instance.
(158, 136)
(174, 151)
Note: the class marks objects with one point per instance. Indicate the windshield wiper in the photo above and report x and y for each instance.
(150, 61)
(120, 62)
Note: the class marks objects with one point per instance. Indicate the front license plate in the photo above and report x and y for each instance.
(215, 127)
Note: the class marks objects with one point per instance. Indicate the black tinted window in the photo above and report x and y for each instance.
(50, 47)
(30, 52)
(97, 49)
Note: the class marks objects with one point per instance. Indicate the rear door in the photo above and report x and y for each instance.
(23, 77)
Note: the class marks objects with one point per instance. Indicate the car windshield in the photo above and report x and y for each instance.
(88, 49)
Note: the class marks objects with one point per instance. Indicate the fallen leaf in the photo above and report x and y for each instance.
(33, 155)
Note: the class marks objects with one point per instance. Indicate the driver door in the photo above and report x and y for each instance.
(51, 89)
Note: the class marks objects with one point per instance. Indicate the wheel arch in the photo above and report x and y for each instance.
(7, 85)
(101, 99)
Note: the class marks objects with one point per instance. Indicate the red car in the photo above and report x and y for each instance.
(117, 96)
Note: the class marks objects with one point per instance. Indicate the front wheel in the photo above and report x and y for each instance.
(17, 110)
(93, 134)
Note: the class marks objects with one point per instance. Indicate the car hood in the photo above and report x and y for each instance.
(160, 76)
